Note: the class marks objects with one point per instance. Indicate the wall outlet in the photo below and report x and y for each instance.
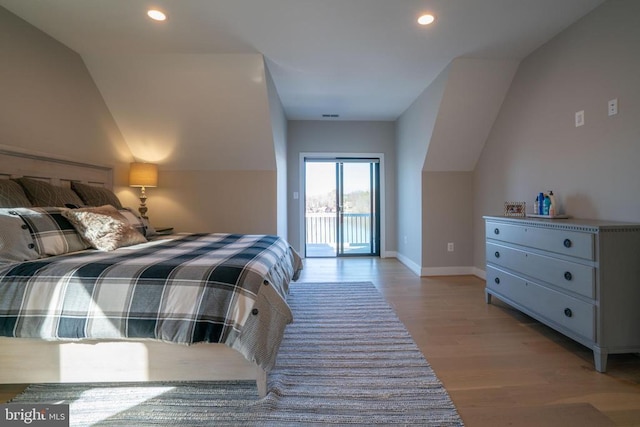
(613, 107)
(580, 118)
(450, 247)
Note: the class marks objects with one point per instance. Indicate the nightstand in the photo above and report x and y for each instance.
(164, 231)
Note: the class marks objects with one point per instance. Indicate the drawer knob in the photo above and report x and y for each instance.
(496, 231)
(497, 280)
(567, 243)
(568, 275)
(497, 254)
(568, 312)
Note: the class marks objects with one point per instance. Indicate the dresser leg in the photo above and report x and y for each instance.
(600, 359)
(487, 297)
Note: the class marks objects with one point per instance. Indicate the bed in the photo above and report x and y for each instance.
(182, 307)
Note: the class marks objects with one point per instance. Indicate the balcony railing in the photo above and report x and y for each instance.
(321, 228)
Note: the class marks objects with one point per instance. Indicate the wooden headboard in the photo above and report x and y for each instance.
(16, 163)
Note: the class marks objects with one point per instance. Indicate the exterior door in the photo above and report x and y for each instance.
(342, 207)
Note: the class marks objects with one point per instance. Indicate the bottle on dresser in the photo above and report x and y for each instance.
(546, 205)
(540, 203)
(553, 209)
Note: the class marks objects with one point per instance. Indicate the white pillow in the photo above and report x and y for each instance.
(137, 222)
(16, 243)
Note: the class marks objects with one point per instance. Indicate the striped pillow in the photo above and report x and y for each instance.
(52, 233)
(96, 196)
(12, 195)
(42, 193)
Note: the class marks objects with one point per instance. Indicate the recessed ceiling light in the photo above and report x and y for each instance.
(156, 15)
(426, 19)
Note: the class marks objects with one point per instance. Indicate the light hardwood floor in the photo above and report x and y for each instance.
(500, 367)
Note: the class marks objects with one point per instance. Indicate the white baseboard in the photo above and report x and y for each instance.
(409, 264)
(438, 271)
(480, 273)
(447, 271)
(453, 271)
(389, 254)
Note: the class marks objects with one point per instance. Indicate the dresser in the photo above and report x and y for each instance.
(579, 277)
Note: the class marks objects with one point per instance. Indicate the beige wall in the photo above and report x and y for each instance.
(50, 104)
(447, 217)
(474, 91)
(210, 140)
(279, 128)
(342, 137)
(534, 144)
(414, 129)
(215, 201)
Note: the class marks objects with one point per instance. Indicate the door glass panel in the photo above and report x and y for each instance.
(320, 209)
(355, 209)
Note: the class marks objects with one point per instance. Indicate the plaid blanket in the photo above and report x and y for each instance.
(225, 288)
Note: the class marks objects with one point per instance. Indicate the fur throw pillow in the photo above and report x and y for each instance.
(104, 227)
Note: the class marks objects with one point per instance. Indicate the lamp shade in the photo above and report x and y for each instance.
(143, 175)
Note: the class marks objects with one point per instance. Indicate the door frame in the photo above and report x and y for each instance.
(333, 155)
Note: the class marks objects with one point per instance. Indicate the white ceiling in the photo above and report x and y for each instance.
(362, 59)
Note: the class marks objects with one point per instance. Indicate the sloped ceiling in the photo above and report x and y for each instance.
(190, 93)
(470, 103)
(188, 111)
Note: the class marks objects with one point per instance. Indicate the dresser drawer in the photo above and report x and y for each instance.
(567, 275)
(571, 313)
(572, 243)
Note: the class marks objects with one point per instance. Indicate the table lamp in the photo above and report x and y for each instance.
(143, 175)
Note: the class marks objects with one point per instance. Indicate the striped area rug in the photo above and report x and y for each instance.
(346, 360)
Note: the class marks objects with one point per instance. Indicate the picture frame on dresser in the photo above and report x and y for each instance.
(577, 276)
(517, 209)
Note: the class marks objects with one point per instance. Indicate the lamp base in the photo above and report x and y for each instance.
(143, 204)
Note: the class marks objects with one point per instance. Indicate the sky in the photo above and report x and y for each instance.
(321, 177)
